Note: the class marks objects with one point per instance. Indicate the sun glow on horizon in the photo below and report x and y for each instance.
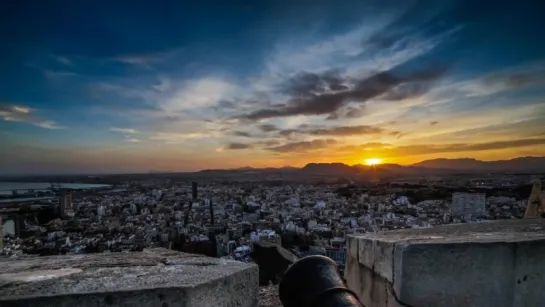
(373, 161)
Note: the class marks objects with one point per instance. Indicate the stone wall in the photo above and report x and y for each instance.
(154, 277)
(497, 263)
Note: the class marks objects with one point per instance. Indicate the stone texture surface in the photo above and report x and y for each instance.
(268, 296)
(154, 277)
(497, 263)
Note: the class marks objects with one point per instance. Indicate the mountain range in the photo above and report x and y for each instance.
(521, 164)
(427, 167)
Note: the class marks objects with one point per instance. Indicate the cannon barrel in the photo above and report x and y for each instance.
(315, 281)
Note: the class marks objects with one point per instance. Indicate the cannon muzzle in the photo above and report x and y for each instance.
(315, 281)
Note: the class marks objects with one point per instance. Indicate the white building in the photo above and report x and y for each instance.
(320, 204)
(134, 209)
(101, 210)
(311, 224)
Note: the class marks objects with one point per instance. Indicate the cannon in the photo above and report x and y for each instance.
(315, 281)
(273, 260)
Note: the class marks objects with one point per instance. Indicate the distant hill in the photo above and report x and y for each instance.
(465, 163)
(341, 169)
(427, 167)
(248, 169)
(522, 164)
(329, 169)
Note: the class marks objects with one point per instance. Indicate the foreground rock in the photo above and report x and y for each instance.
(154, 277)
(497, 264)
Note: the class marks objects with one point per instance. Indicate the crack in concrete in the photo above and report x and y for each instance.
(394, 294)
(390, 286)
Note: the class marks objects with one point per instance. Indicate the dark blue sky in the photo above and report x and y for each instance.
(101, 85)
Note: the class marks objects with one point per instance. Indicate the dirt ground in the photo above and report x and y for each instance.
(268, 296)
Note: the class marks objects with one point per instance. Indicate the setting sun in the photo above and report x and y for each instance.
(373, 161)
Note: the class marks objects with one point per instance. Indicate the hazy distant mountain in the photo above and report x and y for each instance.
(522, 164)
(329, 168)
(247, 169)
(341, 169)
(427, 167)
(244, 168)
(397, 169)
(465, 163)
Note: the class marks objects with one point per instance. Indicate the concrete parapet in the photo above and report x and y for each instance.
(496, 263)
(154, 277)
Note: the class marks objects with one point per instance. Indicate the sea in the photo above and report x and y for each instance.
(6, 188)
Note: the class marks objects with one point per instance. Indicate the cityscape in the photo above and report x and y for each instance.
(220, 215)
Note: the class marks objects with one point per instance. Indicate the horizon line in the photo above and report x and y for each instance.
(242, 167)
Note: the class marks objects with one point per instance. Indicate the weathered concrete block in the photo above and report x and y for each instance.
(463, 274)
(154, 277)
(377, 255)
(483, 264)
(369, 286)
(366, 252)
(529, 273)
(353, 247)
(383, 258)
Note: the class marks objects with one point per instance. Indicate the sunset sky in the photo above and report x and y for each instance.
(105, 87)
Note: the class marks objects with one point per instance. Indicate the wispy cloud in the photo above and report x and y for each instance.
(506, 80)
(48, 124)
(234, 146)
(123, 130)
(64, 61)
(18, 113)
(145, 95)
(199, 94)
(164, 84)
(242, 134)
(316, 96)
(332, 150)
(137, 59)
(345, 130)
(179, 138)
(297, 81)
(304, 146)
(17, 109)
(56, 75)
(145, 60)
(364, 146)
(353, 50)
(132, 140)
(424, 149)
(347, 50)
(338, 131)
(268, 128)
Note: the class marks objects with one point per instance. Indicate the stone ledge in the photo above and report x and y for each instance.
(482, 264)
(154, 277)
